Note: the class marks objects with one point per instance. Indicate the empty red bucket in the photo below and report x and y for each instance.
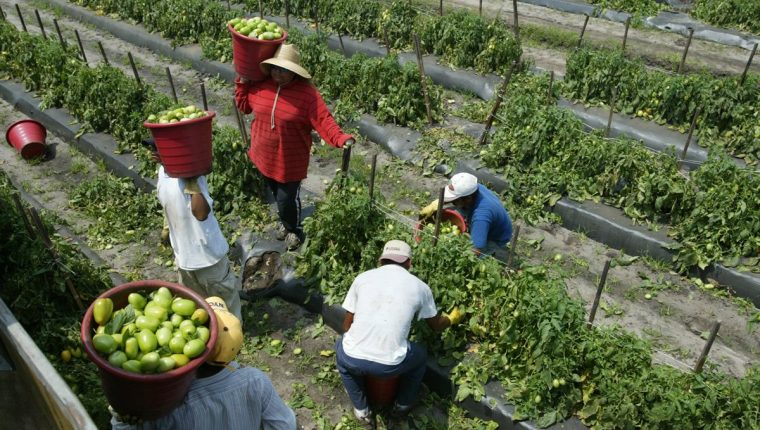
(145, 396)
(248, 53)
(447, 215)
(185, 146)
(28, 137)
(381, 392)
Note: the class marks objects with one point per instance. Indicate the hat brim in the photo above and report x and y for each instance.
(394, 257)
(285, 64)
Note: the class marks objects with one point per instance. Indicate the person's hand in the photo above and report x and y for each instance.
(429, 210)
(455, 317)
(243, 80)
(349, 143)
(191, 186)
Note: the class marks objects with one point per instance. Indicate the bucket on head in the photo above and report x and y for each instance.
(185, 146)
(147, 397)
(381, 392)
(248, 53)
(28, 137)
(447, 215)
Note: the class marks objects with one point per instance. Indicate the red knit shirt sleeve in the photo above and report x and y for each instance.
(241, 96)
(323, 122)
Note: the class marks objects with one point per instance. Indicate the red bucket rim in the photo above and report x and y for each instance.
(208, 117)
(12, 126)
(251, 39)
(193, 364)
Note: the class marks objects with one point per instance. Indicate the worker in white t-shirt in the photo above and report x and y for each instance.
(200, 249)
(380, 307)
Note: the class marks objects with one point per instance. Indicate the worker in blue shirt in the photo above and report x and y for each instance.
(488, 223)
(223, 395)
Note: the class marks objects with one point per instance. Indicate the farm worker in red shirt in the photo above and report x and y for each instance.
(286, 107)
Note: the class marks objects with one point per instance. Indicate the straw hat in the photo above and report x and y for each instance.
(287, 57)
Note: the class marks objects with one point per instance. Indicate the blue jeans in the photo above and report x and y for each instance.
(411, 370)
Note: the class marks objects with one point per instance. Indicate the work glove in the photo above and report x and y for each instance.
(348, 143)
(191, 186)
(455, 317)
(429, 210)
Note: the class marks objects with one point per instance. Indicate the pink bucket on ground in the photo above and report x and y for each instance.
(248, 53)
(185, 146)
(447, 215)
(28, 137)
(145, 396)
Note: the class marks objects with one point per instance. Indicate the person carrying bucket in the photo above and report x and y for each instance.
(223, 395)
(287, 108)
(488, 221)
(200, 249)
(380, 306)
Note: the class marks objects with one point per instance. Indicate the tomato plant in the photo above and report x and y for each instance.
(740, 14)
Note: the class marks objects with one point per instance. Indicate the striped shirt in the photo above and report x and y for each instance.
(234, 398)
(281, 130)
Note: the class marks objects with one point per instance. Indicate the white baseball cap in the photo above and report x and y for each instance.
(396, 250)
(460, 185)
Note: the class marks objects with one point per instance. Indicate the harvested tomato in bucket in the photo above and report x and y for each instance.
(248, 52)
(184, 146)
(448, 215)
(143, 395)
(27, 137)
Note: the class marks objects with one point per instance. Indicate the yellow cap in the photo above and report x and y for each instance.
(229, 337)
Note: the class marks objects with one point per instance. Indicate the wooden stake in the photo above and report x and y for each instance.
(316, 17)
(21, 18)
(625, 35)
(499, 96)
(440, 8)
(171, 84)
(480, 8)
(372, 179)
(39, 22)
(708, 346)
(387, 41)
(134, 68)
(423, 79)
(42, 231)
(583, 32)
(241, 123)
(60, 35)
(103, 53)
(81, 46)
(261, 10)
(438, 213)
(691, 132)
(598, 295)
(550, 91)
(345, 164)
(22, 214)
(203, 96)
(340, 39)
(686, 50)
(2, 13)
(513, 246)
(749, 63)
(287, 13)
(516, 23)
(612, 111)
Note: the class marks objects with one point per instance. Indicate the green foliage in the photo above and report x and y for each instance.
(728, 116)
(742, 15)
(638, 8)
(523, 330)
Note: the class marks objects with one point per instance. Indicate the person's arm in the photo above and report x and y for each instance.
(442, 320)
(275, 414)
(198, 204)
(242, 88)
(347, 321)
(479, 234)
(323, 122)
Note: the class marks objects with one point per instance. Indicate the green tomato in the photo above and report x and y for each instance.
(199, 317)
(102, 310)
(177, 344)
(133, 366)
(104, 343)
(149, 362)
(131, 348)
(180, 359)
(147, 323)
(188, 331)
(163, 336)
(194, 348)
(168, 324)
(119, 338)
(156, 311)
(203, 333)
(117, 358)
(176, 320)
(163, 301)
(137, 301)
(183, 307)
(147, 341)
(165, 364)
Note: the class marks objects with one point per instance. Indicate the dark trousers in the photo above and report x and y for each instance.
(287, 196)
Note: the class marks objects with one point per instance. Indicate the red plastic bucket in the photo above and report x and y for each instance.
(28, 137)
(447, 215)
(185, 146)
(381, 392)
(145, 396)
(248, 53)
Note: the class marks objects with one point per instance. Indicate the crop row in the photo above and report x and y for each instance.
(524, 330)
(728, 108)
